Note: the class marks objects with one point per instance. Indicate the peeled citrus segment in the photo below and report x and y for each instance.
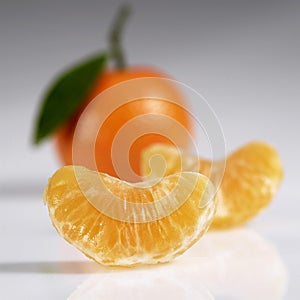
(144, 226)
(252, 176)
(159, 160)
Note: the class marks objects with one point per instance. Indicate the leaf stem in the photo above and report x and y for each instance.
(115, 36)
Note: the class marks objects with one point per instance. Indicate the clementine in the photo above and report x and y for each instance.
(121, 224)
(251, 177)
(155, 116)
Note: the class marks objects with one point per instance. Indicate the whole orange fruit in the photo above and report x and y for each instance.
(153, 111)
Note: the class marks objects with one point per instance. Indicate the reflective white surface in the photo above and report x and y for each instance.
(238, 263)
(243, 263)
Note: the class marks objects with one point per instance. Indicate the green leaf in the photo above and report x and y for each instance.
(66, 94)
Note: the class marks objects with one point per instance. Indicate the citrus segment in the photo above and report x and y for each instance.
(131, 233)
(252, 176)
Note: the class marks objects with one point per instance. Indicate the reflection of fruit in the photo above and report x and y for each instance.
(251, 178)
(102, 142)
(133, 223)
(225, 258)
(167, 281)
(209, 270)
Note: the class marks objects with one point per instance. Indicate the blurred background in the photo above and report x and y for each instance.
(242, 56)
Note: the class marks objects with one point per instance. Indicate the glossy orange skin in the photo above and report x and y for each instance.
(106, 135)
